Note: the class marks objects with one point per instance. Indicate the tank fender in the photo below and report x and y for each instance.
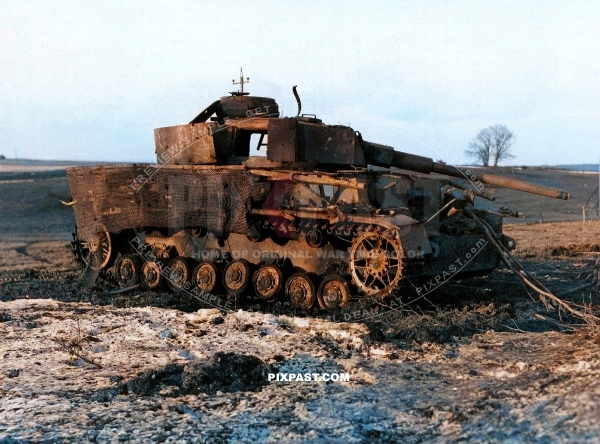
(413, 236)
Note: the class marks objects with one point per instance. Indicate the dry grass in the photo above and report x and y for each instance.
(555, 239)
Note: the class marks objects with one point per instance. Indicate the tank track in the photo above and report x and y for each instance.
(311, 269)
(357, 309)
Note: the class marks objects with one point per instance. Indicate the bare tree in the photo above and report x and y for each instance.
(491, 144)
(480, 147)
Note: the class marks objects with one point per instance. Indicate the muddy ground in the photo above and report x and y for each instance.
(481, 360)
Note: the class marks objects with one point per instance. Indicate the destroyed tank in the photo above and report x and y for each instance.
(322, 218)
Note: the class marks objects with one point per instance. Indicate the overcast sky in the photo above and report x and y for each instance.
(90, 80)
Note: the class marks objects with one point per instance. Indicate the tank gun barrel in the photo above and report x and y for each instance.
(386, 156)
(499, 181)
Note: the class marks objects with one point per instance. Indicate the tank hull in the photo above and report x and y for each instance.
(234, 214)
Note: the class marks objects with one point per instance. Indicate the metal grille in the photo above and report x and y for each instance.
(120, 197)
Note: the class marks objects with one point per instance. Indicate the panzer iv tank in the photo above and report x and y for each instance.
(323, 218)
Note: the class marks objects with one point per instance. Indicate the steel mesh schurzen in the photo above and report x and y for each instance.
(119, 197)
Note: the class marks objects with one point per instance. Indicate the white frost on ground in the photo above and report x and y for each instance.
(487, 389)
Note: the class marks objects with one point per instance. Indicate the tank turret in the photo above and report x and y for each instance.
(300, 141)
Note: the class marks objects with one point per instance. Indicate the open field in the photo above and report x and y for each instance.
(532, 209)
(481, 360)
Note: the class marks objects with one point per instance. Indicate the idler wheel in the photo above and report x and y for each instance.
(268, 282)
(178, 273)
(205, 276)
(236, 277)
(300, 291)
(127, 270)
(98, 250)
(152, 275)
(333, 293)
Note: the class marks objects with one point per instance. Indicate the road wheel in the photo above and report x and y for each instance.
(333, 293)
(300, 291)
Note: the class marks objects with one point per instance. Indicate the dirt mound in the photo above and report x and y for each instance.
(227, 372)
(224, 372)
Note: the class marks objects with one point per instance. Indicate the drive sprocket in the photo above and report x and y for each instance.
(376, 263)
